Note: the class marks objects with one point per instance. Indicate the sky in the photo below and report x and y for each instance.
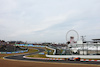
(48, 20)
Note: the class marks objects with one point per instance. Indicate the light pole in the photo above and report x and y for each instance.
(87, 48)
(82, 37)
(97, 48)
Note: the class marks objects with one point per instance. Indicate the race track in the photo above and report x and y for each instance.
(20, 57)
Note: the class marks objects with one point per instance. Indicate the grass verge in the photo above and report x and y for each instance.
(42, 55)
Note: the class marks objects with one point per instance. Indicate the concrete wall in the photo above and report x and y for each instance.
(51, 49)
(68, 56)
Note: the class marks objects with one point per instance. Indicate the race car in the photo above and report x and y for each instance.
(74, 59)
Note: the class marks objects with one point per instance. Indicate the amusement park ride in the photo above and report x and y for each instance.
(78, 49)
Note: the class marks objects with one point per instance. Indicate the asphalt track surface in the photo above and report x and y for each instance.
(20, 57)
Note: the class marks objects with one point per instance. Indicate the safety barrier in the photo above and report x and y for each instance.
(89, 60)
(29, 45)
(57, 59)
(14, 52)
(68, 56)
(44, 58)
(51, 49)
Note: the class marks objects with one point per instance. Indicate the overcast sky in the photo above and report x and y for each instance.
(48, 20)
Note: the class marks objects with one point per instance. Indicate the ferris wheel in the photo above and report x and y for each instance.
(72, 35)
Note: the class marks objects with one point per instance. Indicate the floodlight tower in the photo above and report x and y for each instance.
(83, 38)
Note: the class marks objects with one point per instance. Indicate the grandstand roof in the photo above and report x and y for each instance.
(95, 39)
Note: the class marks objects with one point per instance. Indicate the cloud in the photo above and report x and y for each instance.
(42, 19)
(46, 23)
(7, 6)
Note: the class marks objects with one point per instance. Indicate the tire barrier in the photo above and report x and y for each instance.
(14, 52)
(44, 58)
